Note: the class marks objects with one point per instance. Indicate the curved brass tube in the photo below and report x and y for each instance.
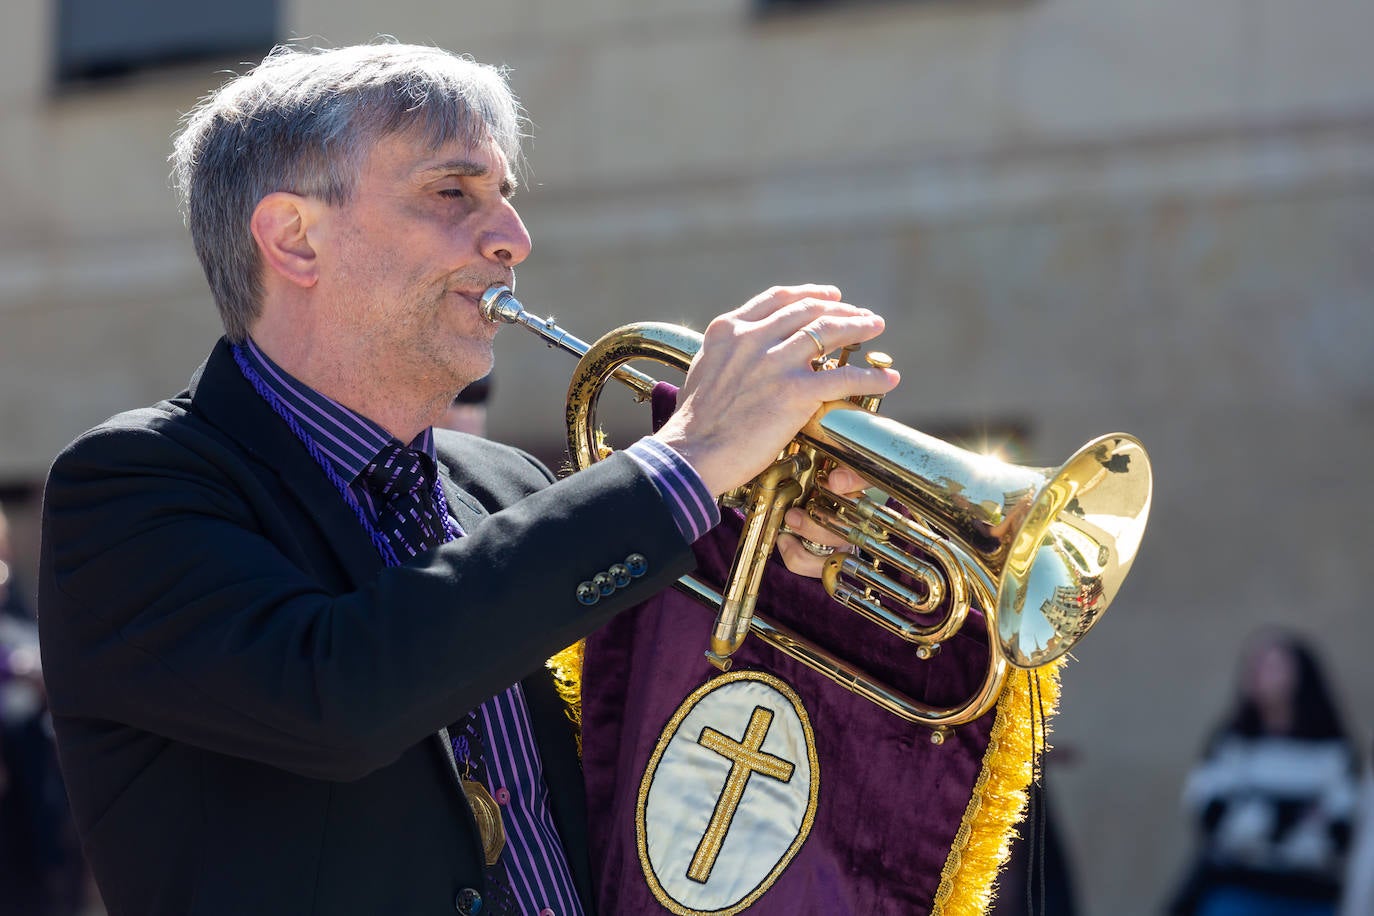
(1040, 552)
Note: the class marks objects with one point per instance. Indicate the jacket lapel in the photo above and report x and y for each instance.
(553, 733)
(221, 395)
(465, 508)
(468, 513)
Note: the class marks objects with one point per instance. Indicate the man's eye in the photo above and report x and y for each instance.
(451, 193)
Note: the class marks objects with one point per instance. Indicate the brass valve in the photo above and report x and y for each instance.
(876, 359)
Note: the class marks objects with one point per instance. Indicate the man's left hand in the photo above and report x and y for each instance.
(801, 525)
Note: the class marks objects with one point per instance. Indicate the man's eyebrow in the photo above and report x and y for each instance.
(467, 168)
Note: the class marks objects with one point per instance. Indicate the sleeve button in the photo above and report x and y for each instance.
(604, 583)
(587, 593)
(637, 564)
(620, 573)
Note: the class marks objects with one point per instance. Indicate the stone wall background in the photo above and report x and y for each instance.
(1148, 215)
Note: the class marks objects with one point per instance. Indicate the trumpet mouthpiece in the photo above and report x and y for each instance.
(499, 304)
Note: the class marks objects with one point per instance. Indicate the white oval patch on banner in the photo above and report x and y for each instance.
(728, 796)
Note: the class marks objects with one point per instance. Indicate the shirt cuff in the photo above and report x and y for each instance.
(678, 483)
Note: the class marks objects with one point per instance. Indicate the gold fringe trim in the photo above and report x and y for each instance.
(567, 679)
(983, 843)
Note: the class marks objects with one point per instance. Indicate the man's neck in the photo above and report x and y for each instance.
(399, 408)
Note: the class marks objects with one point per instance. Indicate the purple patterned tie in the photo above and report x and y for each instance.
(402, 480)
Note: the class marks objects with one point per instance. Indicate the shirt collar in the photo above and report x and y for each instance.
(347, 439)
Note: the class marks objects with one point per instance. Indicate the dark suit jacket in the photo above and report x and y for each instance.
(246, 699)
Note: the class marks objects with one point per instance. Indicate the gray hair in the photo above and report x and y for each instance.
(303, 121)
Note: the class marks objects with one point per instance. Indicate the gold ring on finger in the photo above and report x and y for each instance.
(816, 550)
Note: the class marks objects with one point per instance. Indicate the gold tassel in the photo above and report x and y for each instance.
(998, 803)
(567, 679)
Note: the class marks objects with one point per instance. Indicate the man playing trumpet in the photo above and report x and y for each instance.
(293, 635)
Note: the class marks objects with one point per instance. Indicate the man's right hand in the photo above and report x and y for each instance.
(751, 387)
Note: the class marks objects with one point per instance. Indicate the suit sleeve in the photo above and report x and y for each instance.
(166, 606)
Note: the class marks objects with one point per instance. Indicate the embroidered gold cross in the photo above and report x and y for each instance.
(746, 760)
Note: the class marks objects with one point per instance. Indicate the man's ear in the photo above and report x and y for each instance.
(280, 225)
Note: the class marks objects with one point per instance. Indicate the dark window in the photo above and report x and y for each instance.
(788, 6)
(97, 39)
(770, 7)
(776, 6)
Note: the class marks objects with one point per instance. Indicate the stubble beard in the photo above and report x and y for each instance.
(432, 342)
(451, 343)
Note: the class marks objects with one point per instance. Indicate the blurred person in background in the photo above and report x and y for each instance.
(1274, 795)
(1357, 898)
(468, 412)
(294, 635)
(1038, 877)
(38, 875)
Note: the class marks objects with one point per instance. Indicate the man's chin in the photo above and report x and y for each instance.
(472, 361)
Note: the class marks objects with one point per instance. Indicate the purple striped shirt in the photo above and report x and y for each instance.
(535, 862)
(694, 510)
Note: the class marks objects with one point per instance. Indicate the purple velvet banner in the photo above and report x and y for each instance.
(889, 802)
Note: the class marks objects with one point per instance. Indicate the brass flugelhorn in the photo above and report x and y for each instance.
(1040, 552)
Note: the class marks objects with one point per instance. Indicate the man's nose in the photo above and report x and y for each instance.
(506, 239)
